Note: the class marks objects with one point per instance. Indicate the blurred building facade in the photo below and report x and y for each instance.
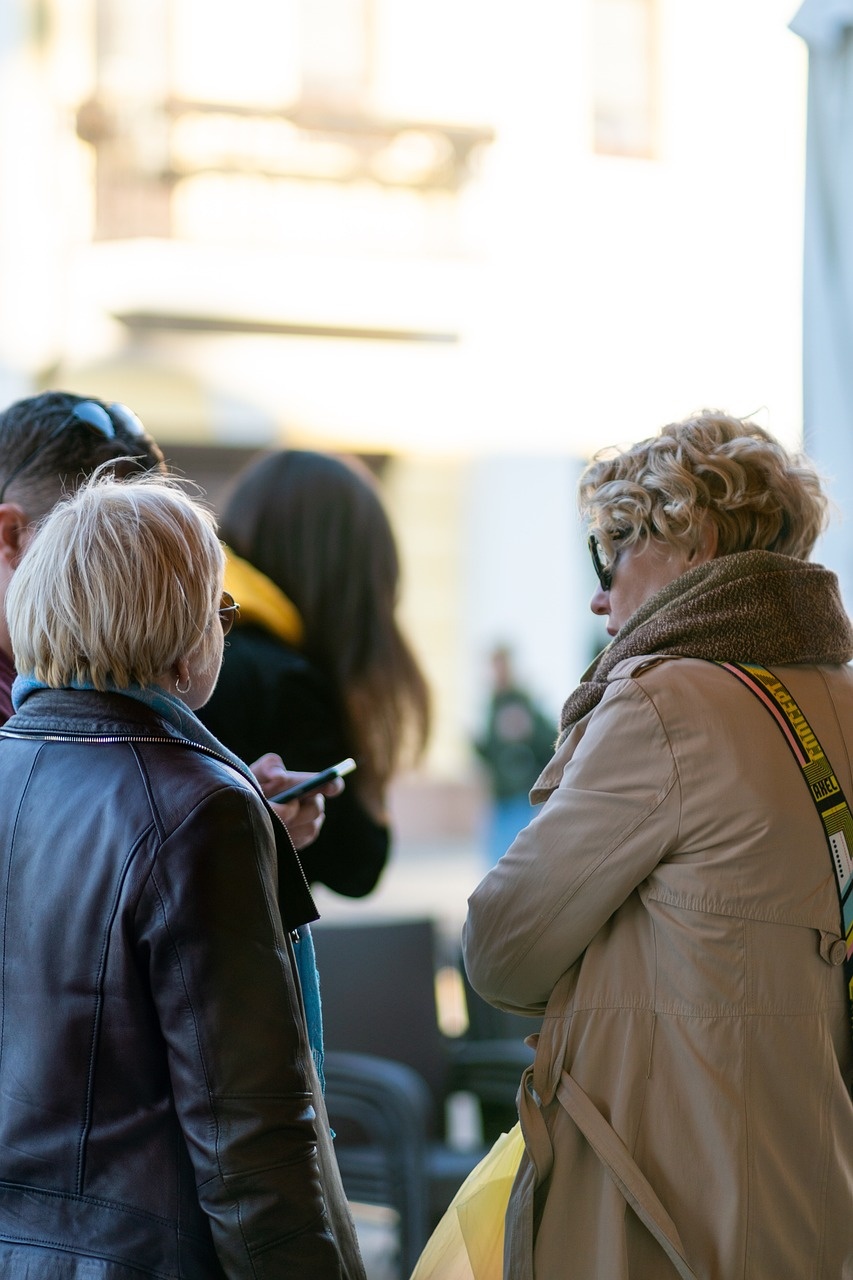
(471, 241)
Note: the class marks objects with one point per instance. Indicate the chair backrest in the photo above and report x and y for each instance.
(385, 1160)
(377, 984)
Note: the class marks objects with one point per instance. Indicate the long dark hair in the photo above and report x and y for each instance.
(315, 525)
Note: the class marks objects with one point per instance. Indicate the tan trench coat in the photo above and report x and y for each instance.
(674, 907)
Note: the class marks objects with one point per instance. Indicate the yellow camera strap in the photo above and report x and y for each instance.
(824, 789)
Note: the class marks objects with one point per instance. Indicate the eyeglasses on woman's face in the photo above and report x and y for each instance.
(91, 415)
(229, 612)
(601, 562)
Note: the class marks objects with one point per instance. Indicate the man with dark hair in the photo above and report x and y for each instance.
(49, 444)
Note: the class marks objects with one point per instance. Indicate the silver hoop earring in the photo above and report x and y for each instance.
(178, 685)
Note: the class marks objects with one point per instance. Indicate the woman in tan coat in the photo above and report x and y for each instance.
(673, 907)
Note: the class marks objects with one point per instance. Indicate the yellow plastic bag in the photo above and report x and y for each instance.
(468, 1243)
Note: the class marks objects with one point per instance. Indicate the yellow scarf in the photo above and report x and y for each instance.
(261, 601)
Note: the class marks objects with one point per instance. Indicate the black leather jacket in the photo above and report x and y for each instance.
(159, 1111)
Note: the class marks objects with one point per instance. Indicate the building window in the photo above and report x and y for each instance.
(192, 112)
(624, 77)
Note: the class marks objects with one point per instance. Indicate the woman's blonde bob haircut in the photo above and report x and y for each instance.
(120, 581)
(713, 466)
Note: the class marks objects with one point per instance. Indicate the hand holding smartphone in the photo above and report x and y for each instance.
(314, 783)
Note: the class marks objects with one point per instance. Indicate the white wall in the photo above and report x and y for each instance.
(527, 577)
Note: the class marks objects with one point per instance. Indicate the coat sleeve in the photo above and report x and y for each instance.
(600, 833)
(224, 985)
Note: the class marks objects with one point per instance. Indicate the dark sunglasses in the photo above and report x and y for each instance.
(229, 612)
(91, 415)
(602, 565)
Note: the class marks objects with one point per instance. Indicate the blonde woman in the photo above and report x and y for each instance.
(673, 906)
(161, 1112)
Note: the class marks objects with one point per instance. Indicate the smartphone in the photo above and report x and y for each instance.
(314, 783)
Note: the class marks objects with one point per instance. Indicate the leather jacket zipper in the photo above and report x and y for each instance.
(103, 739)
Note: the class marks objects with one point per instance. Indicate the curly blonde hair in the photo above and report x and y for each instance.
(758, 495)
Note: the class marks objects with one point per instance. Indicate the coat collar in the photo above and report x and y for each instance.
(84, 711)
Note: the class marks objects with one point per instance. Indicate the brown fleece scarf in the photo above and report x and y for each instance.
(754, 606)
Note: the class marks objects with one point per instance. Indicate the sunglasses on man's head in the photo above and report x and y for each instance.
(229, 612)
(92, 415)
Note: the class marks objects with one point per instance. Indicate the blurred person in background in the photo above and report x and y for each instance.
(49, 444)
(160, 1108)
(516, 744)
(317, 668)
(673, 908)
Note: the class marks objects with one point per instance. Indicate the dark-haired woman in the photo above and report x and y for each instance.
(317, 669)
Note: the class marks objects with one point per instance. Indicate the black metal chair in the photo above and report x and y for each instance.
(380, 1113)
(377, 982)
